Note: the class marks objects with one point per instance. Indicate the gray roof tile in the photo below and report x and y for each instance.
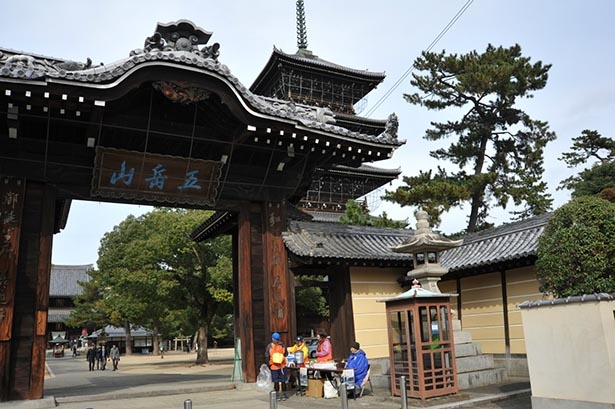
(500, 244)
(320, 240)
(58, 314)
(64, 279)
(341, 241)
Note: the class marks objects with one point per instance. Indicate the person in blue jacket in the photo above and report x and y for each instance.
(357, 361)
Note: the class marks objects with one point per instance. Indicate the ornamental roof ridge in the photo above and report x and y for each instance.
(324, 118)
(5, 51)
(178, 43)
(26, 67)
(316, 60)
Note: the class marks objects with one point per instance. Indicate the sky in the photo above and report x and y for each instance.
(575, 36)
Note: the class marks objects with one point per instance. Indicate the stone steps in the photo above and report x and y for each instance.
(473, 368)
(481, 378)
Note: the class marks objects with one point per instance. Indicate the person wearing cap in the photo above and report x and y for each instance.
(300, 351)
(275, 356)
(301, 348)
(357, 361)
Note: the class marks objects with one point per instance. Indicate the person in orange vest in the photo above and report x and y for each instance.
(275, 356)
(324, 351)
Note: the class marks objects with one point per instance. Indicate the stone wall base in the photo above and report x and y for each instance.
(550, 403)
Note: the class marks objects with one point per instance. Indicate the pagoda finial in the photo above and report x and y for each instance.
(301, 29)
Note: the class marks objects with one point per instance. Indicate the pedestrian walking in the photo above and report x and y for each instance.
(114, 354)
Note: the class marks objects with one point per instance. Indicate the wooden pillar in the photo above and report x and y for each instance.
(280, 309)
(263, 288)
(12, 196)
(245, 317)
(340, 304)
(28, 341)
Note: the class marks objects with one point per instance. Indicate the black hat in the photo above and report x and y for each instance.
(299, 339)
(355, 345)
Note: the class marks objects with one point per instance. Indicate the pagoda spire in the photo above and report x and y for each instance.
(301, 28)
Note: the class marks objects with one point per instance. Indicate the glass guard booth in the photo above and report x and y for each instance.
(421, 344)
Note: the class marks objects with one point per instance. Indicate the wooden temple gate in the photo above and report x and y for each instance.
(171, 126)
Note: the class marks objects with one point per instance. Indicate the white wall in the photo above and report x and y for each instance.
(571, 353)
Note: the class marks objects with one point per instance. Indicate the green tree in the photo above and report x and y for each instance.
(590, 146)
(499, 147)
(358, 215)
(136, 290)
(202, 270)
(90, 310)
(576, 252)
(159, 278)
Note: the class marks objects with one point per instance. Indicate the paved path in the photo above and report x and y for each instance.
(149, 382)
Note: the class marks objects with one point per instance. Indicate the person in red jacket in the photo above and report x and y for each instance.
(275, 356)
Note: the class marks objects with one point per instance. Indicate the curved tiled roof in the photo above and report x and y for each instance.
(342, 241)
(497, 245)
(329, 241)
(64, 279)
(314, 60)
(30, 68)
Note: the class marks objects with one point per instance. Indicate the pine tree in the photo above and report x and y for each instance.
(498, 149)
(600, 176)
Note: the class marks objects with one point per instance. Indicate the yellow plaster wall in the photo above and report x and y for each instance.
(521, 285)
(369, 285)
(482, 309)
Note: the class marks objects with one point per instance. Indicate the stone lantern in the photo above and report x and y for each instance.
(425, 247)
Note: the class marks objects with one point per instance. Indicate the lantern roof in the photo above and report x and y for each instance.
(425, 238)
(417, 292)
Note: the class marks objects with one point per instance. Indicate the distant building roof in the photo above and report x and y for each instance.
(112, 332)
(64, 280)
(315, 63)
(55, 315)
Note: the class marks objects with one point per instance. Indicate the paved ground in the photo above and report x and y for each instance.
(148, 382)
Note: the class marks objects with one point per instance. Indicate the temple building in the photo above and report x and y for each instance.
(167, 125)
(170, 125)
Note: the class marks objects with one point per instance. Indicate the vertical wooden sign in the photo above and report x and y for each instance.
(12, 191)
(276, 268)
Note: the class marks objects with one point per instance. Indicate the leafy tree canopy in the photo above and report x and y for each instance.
(576, 252)
(152, 274)
(358, 214)
(590, 146)
(498, 147)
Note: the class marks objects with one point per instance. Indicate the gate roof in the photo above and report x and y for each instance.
(171, 103)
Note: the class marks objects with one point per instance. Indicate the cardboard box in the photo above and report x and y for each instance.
(315, 388)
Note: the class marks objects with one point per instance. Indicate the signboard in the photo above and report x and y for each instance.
(162, 178)
(12, 192)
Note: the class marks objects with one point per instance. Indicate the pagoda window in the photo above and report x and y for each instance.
(419, 258)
